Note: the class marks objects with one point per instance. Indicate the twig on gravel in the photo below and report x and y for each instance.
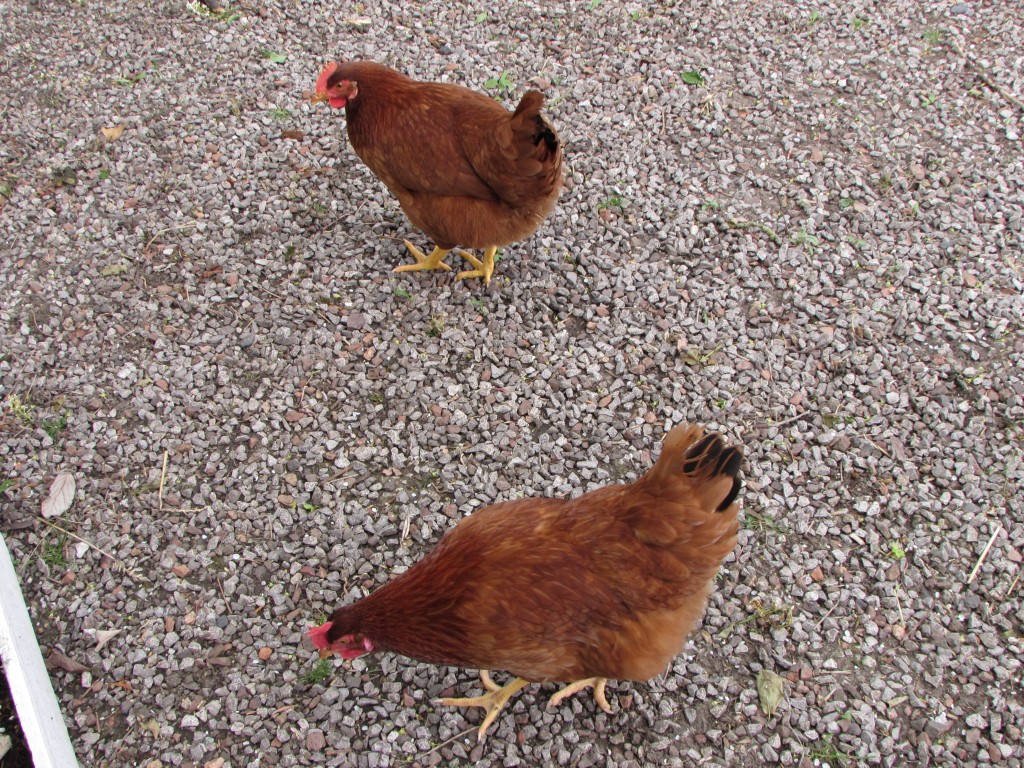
(447, 742)
(98, 549)
(899, 606)
(784, 422)
(818, 625)
(984, 552)
(986, 77)
(739, 224)
(165, 230)
(1014, 584)
(163, 477)
(341, 476)
(880, 448)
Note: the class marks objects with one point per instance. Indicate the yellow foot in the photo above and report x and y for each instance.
(493, 702)
(579, 685)
(433, 261)
(483, 268)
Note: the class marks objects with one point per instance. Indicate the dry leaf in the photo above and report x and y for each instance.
(114, 269)
(770, 690)
(292, 134)
(361, 23)
(57, 660)
(62, 494)
(114, 132)
(104, 636)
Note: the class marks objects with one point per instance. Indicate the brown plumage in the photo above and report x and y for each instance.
(465, 170)
(607, 585)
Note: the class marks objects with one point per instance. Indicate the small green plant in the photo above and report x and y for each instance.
(6, 190)
(846, 202)
(53, 552)
(503, 83)
(280, 113)
(436, 325)
(273, 57)
(480, 304)
(859, 23)
(613, 201)
(693, 77)
(896, 551)
(828, 753)
(856, 242)
(318, 208)
(593, 5)
(54, 427)
(129, 80)
(310, 506)
(6, 484)
(22, 409)
(402, 293)
(805, 238)
(763, 522)
(721, 403)
(104, 174)
(777, 615)
(710, 205)
(697, 356)
(927, 99)
(320, 672)
(932, 37)
(813, 19)
(481, 17)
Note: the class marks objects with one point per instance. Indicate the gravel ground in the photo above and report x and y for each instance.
(818, 251)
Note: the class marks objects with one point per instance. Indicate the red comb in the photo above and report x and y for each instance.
(319, 635)
(325, 75)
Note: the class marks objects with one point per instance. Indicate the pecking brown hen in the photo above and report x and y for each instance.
(607, 585)
(465, 171)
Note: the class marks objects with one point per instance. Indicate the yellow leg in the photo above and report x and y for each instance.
(483, 268)
(433, 261)
(579, 685)
(493, 702)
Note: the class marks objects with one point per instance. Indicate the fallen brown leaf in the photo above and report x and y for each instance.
(57, 660)
(61, 496)
(113, 133)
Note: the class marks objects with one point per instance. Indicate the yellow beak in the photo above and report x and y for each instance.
(319, 98)
(326, 653)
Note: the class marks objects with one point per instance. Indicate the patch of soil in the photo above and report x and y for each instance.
(18, 756)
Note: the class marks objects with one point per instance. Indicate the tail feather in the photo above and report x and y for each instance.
(710, 466)
(539, 140)
(528, 109)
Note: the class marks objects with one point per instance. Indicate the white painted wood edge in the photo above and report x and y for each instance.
(38, 711)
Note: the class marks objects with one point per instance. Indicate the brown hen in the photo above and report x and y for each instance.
(607, 585)
(465, 171)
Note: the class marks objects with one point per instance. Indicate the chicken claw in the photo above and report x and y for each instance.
(433, 261)
(579, 685)
(483, 268)
(493, 702)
